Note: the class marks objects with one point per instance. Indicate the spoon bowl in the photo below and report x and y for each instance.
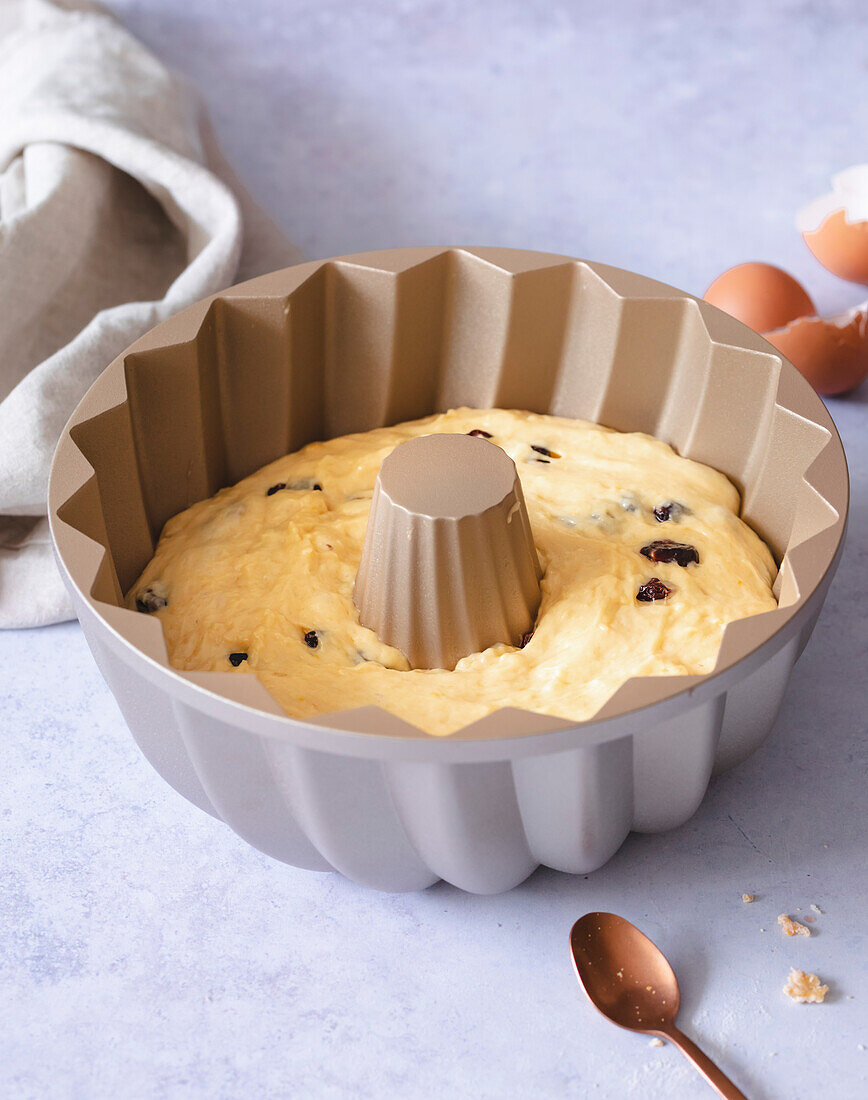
(629, 980)
(624, 974)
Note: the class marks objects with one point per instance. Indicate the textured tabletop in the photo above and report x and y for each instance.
(146, 951)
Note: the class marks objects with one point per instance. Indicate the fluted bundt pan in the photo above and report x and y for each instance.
(350, 344)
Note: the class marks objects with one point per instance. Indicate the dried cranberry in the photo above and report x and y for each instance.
(525, 638)
(653, 590)
(544, 451)
(480, 432)
(667, 551)
(670, 510)
(235, 659)
(150, 601)
(311, 638)
(297, 486)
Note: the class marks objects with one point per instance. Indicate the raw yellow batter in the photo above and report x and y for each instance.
(270, 575)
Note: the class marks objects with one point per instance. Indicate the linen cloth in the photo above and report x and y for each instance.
(116, 210)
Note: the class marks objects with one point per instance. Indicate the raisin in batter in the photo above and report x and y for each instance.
(644, 555)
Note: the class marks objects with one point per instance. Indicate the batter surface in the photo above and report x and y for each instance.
(260, 577)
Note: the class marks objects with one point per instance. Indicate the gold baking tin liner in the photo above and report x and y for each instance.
(349, 344)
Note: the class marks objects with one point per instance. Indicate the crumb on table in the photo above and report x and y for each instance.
(792, 927)
(816, 908)
(805, 988)
(657, 1043)
(748, 898)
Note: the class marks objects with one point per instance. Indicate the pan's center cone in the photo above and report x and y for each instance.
(449, 566)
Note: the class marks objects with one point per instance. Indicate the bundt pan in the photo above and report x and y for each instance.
(353, 343)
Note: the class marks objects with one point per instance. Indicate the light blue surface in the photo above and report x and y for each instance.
(145, 950)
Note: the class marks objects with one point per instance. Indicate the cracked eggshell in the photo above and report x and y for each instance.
(761, 296)
(835, 227)
(832, 353)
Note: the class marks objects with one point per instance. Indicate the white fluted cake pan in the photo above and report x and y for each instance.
(350, 344)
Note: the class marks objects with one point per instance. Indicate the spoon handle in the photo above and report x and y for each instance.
(715, 1077)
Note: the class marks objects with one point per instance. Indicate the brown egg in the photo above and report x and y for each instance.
(762, 296)
(841, 246)
(832, 353)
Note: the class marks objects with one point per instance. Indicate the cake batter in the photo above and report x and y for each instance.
(645, 560)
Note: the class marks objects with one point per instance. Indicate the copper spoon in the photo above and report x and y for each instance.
(631, 982)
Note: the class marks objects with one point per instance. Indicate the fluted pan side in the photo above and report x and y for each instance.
(402, 825)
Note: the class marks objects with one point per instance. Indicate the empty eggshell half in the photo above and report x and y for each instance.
(835, 227)
(831, 352)
(761, 296)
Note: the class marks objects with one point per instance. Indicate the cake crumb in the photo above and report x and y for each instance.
(816, 908)
(656, 1043)
(748, 898)
(805, 988)
(792, 927)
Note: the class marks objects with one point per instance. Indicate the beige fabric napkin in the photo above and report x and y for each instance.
(116, 210)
